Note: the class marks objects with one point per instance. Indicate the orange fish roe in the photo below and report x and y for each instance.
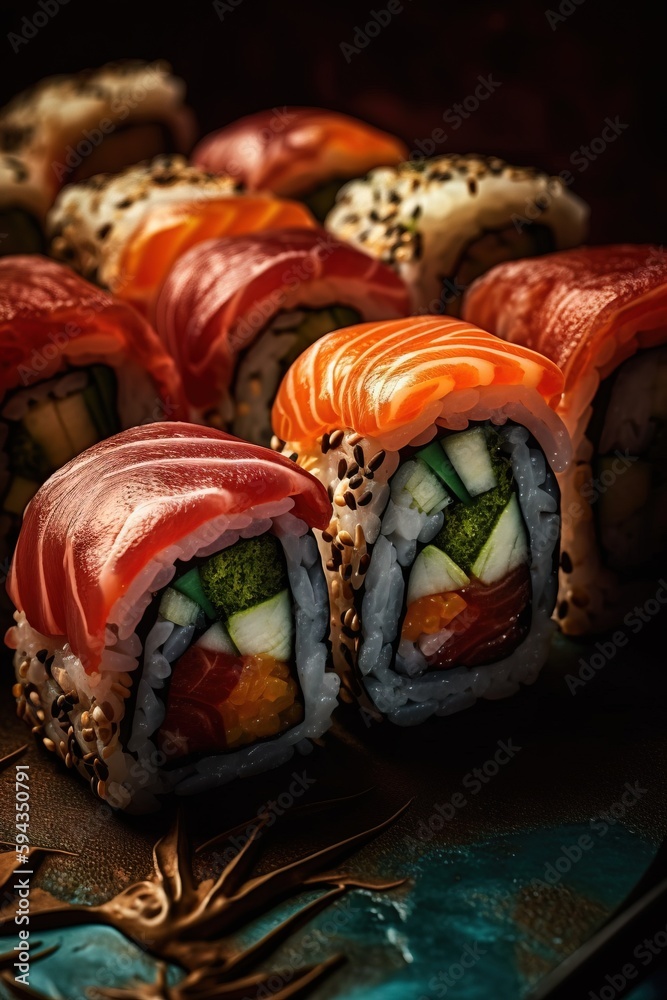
(264, 701)
(430, 614)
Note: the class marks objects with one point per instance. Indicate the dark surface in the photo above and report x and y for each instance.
(559, 81)
(578, 751)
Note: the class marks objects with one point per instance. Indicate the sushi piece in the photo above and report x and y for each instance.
(442, 222)
(67, 128)
(600, 313)
(234, 313)
(124, 231)
(26, 194)
(170, 632)
(305, 153)
(77, 366)
(437, 443)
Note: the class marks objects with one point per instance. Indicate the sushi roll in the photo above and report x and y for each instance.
(235, 312)
(124, 231)
(440, 223)
(26, 194)
(75, 366)
(305, 153)
(600, 313)
(437, 443)
(170, 632)
(67, 128)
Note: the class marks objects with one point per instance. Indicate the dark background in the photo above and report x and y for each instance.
(558, 82)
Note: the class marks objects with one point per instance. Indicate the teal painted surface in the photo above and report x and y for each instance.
(465, 906)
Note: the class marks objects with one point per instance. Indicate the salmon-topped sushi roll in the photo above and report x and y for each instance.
(437, 443)
(600, 313)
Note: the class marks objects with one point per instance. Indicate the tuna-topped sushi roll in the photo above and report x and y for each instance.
(305, 153)
(442, 222)
(124, 231)
(236, 312)
(76, 366)
(436, 442)
(601, 314)
(70, 127)
(172, 612)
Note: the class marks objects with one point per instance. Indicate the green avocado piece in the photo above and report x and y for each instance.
(323, 198)
(435, 457)
(190, 585)
(244, 575)
(26, 456)
(467, 526)
(104, 380)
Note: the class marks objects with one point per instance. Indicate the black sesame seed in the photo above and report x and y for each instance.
(359, 454)
(325, 443)
(364, 499)
(566, 562)
(356, 482)
(349, 500)
(342, 468)
(376, 461)
(41, 655)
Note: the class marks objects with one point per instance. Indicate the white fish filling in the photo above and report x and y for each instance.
(408, 693)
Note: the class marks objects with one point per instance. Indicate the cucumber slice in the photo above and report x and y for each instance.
(436, 459)
(42, 423)
(315, 325)
(505, 548)
(426, 489)
(178, 608)
(433, 572)
(190, 585)
(20, 493)
(104, 380)
(78, 424)
(470, 457)
(217, 640)
(267, 629)
(345, 316)
(91, 398)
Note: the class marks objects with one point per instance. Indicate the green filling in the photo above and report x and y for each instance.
(247, 573)
(190, 585)
(26, 456)
(316, 323)
(322, 199)
(467, 526)
(104, 408)
(437, 459)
